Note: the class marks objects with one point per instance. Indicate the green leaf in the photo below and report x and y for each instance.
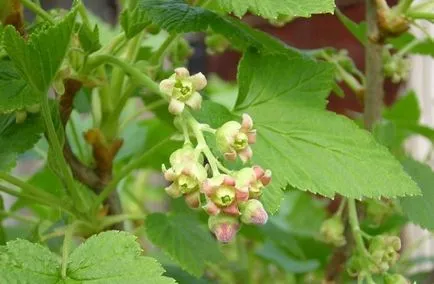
(114, 257)
(305, 146)
(38, 59)
(183, 239)
(177, 16)
(133, 21)
(271, 9)
(89, 39)
(15, 93)
(419, 209)
(213, 114)
(109, 257)
(16, 138)
(25, 262)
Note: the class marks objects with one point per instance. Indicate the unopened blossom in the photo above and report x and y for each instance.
(186, 174)
(255, 179)
(234, 139)
(384, 251)
(223, 195)
(332, 231)
(182, 89)
(253, 212)
(224, 227)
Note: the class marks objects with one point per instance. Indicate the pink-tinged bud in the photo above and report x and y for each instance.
(233, 139)
(224, 227)
(253, 212)
(254, 179)
(266, 179)
(211, 208)
(173, 191)
(242, 194)
(181, 88)
(232, 209)
(193, 199)
(247, 122)
(176, 107)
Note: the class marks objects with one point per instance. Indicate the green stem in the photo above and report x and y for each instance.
(75, 136)
(69, 233)
(83, 13)
(37, 10)
(112, 220)
(420, 15)
(134, 72)
(118, 76)
(159, 54)
(407, 48)
(50, 202)
(402, 7)
(57, 150)
(27, 187)
(134, 164)
(355, 227)
(424, 6)
(21, 218)
(201, 142)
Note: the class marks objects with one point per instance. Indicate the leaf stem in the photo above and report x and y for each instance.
(37, 10)
(57, 150)
(75, 136)
(135, 73)
(159, 54)
(69, 233)
(355, 227)
(111, 220)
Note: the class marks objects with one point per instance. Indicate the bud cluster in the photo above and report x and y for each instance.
(332, 231)
(229, 197)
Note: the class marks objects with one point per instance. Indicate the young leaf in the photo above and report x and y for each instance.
(271, 9)
(89, 39)
(38, 59)
(133, 21)
(177, 16)
(15, 93)
(182, 238)
(305, 146)
(109, 257)
(419, 209)
(16, 138)
(24, 262)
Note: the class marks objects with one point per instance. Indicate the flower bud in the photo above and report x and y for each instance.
(332, 231)
(186, 175)
(384, 253)
(253, 212)
(182, 89)
(234, 139)
(224, 227)
(255, 179)
(20, 116)
(395, 279)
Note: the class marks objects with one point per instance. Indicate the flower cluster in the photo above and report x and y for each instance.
(230, 197)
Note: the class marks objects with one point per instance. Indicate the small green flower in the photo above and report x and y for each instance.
(182, 89)
(332, 231)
